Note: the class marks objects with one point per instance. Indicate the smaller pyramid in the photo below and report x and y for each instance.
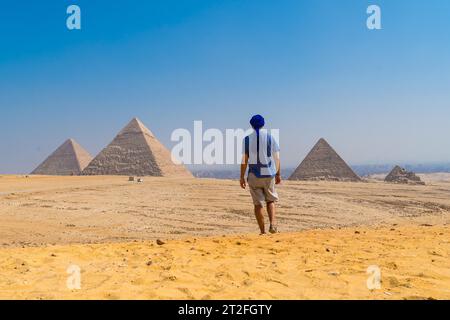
(323, 163)
(69, 159)
(402, 176)
(135, 151)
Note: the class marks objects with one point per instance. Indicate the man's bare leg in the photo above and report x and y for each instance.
(272, 219)
(260, 218)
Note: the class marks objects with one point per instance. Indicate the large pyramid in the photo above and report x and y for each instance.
(323, 163)
(135, 151)
(69, 159)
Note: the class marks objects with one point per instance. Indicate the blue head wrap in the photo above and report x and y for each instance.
(257, 122)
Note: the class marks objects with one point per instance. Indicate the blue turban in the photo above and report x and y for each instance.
(257, 122)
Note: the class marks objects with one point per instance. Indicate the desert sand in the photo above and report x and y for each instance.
(324, 264)
(331, 233)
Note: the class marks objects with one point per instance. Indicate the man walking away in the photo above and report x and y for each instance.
(261, 154)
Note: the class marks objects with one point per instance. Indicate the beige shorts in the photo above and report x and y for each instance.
(262, 189)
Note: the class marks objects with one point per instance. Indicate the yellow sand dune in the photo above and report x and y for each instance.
(323, 264)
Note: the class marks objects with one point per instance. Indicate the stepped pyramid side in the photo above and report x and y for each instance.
(135, 151)
(323, 163)
(69, 159)
(400, 175)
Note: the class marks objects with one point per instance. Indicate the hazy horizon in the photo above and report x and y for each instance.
(312, 68)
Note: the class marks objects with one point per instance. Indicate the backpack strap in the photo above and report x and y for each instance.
(247, 145)
(269, 145)
(258, 161)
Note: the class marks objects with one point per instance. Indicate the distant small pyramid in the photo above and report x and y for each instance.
(400, 175)
(69, 159)
(135, 151)
(323, 163)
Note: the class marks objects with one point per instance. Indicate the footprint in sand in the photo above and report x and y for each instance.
(394, 282)
(137, 282)
(111, 296)
(278, 281)
(392, 265)
(222, 275)
(187, 292)
(247, 282)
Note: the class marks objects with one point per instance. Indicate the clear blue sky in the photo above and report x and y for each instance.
(312, 68)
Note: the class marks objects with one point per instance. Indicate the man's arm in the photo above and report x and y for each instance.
(276, 156)
(244, 164)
